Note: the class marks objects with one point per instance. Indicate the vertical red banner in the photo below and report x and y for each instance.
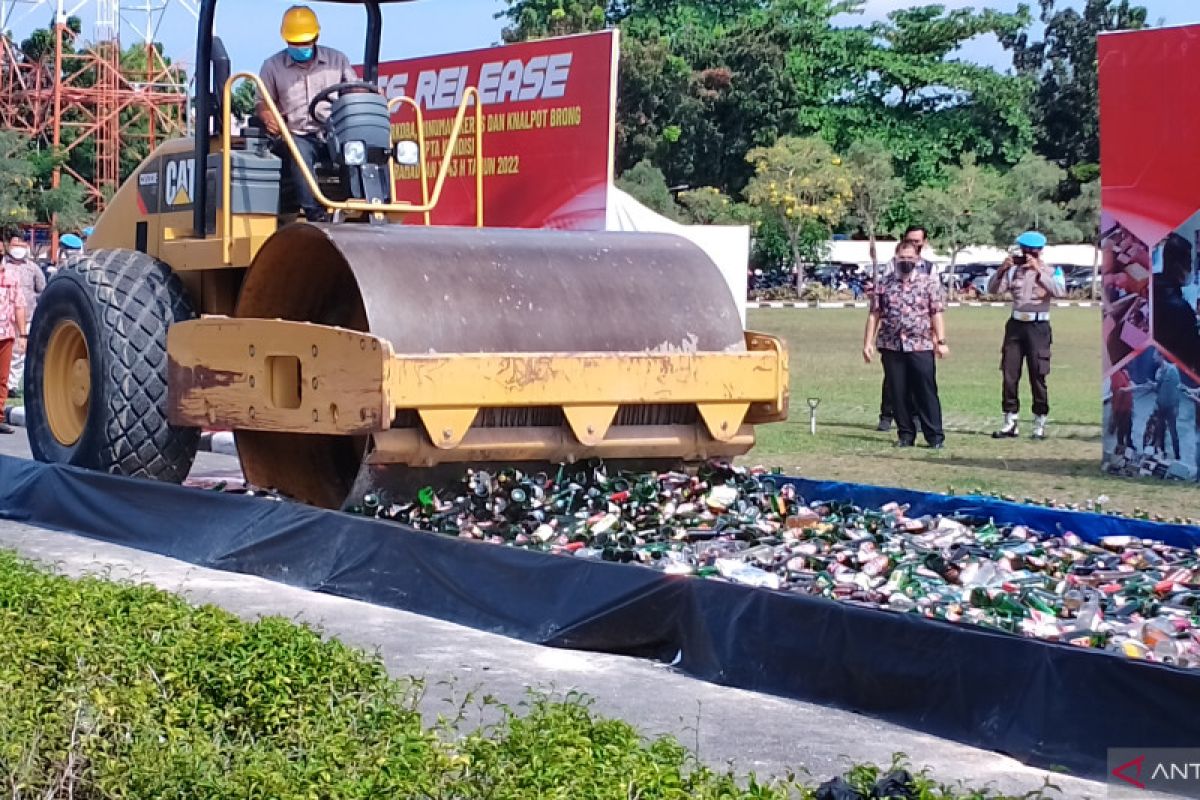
(549, 130)
(1149, 137)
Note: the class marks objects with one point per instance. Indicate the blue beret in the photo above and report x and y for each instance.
(1032, 239)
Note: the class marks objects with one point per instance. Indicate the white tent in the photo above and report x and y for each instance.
(727, 245)
(982, 254)
(1066, 255)
(1071, 255)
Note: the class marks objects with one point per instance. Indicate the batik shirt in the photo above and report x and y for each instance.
(906, 309)
(11, 298)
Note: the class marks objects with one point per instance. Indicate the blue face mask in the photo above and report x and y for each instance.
(301, 54)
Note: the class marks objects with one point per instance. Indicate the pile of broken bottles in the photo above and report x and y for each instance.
(1133, 596)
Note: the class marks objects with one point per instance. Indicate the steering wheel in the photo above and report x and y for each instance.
(337, 88)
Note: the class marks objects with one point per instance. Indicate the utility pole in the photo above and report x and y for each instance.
(60, 26)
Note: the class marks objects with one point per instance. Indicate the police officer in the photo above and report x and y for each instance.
(1027, 336)
(70, 250)
(293, 77)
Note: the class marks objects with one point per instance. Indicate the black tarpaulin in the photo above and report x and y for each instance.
(1046, 704)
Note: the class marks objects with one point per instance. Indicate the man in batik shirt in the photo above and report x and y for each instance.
(12, 322)
(907, 328)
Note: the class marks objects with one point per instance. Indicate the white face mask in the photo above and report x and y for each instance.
(18, 253)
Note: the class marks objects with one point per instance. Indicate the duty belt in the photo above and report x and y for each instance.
(1031, 316)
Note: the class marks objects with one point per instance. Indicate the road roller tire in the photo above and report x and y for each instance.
(96, 377)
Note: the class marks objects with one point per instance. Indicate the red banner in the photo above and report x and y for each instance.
(1150, 267)
(549, 127)
(1150, 127)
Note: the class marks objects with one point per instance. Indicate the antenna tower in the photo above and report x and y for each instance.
(100, 105)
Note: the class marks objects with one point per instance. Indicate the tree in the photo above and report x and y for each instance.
(244, 99)
(538, 19)
(40, 44)
(875, 186)
(646, 184)
(804, 187)
(16, 179)
(926, 105)
(1066, 104)
(703, 81)
(533, 19)
(1029, 202)
(709, 206)
(25, 193)
(962, 211)
(1084, 211)
(65, 206)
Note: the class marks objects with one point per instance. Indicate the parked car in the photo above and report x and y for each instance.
(960, 276)
(1080, 278)
(980, 284)
(831, 273)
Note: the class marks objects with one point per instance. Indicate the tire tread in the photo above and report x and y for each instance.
(138, 298)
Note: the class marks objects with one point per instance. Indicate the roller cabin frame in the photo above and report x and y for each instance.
(316, 396)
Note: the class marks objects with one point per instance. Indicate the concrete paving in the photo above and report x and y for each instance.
(752, 732)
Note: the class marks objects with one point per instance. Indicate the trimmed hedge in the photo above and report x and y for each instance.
(112, 690)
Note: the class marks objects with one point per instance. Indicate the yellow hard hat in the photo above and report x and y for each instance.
(300, 25)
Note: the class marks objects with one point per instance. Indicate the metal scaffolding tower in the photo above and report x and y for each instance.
(96, 104)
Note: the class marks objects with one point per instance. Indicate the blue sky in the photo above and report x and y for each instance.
(439, 26)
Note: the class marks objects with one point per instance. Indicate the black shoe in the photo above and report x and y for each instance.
(1007, 433)
(838, 789)
(896, 785)
(937, 445)
(902, 443)
(6, 428)
(316, 215)
(885, 424)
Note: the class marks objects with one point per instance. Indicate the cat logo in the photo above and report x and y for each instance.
(179, 180)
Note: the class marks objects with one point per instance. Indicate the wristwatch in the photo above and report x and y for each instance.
(941, 342)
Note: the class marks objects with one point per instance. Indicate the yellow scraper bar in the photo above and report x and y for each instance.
(292, 376)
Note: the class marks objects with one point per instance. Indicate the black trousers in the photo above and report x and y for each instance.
(1026, 343)
(1168, 423)
(912, 377)
(309, 147)
(885, 402)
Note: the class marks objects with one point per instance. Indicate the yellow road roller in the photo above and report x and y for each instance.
(370, 351)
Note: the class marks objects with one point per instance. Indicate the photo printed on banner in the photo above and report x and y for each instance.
(1152, 419)
(1125, 280)
(1175, 295)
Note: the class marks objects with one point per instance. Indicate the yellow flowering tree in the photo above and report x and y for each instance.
(710, 206)
(804, 186)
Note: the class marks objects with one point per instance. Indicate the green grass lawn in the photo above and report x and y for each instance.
(826, 362)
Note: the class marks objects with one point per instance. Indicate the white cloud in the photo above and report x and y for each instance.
(874, 10)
